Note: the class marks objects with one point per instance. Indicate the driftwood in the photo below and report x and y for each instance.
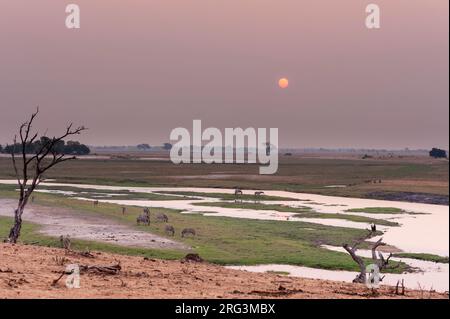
(7, 270)
(95, 269)
(106, 270)
(54, 282)
(377, 257)
(85, 253)
(192, 258)
(397, 292)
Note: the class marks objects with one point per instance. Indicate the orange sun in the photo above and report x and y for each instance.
(283, 83)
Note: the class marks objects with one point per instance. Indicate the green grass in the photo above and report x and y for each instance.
(92, 193)
(425, 257)
(295, 173)
(220, 240)
(381, 210)
(303, 212)
(275, 272)
(30, 235)
(230, 196)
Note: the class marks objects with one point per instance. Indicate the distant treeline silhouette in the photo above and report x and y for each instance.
(61, 147)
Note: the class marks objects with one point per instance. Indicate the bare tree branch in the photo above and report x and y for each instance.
(378, 259)
(375, 246)
(45, 157)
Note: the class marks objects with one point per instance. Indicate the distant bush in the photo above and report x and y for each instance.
(438, 153)
(144, 147)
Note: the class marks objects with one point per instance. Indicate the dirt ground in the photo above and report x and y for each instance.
(29, 272)
(57, 221)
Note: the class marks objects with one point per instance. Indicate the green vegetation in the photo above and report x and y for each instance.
(232, 196)
(221, 240)
(425, 257)
(275, 272)
(297, 174)
(381, 210)
(31, 236)
(302, 212)
(92, 193)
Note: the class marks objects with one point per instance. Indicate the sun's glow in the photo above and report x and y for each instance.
(283, 83)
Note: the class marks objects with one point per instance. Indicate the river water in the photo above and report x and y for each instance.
(424, 233)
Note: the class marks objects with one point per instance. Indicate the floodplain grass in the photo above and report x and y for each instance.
(382, 210)
(424, 257)
(296, 174)
(219, 240)
(301, 212)
(231, 196)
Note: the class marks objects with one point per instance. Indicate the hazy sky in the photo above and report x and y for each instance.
(137, 69)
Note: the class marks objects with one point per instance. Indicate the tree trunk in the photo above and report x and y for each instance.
(14, 233)
(361, 277)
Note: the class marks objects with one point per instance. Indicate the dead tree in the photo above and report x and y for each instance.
(377, 257)
(31, 170)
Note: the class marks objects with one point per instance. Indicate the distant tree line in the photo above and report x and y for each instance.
(60, 147)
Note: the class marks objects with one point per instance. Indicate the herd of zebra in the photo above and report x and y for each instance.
(144, 219)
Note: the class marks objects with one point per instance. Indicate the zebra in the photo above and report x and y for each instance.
(258, 195)
(188, 231)
(162, 218)
(95, 202)
(144, 218)
(65, 242)
(237, 192)
(170, 230)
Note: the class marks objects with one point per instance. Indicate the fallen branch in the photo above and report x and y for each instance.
(7, 270)
(86, 253)
(108, 270)
(54, 282)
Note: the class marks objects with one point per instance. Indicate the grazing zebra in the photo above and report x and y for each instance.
(188, 231)
(144, 218)
(162, 218)
(258, 195)
(237, 192)
(170, 230)
(65, 242)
